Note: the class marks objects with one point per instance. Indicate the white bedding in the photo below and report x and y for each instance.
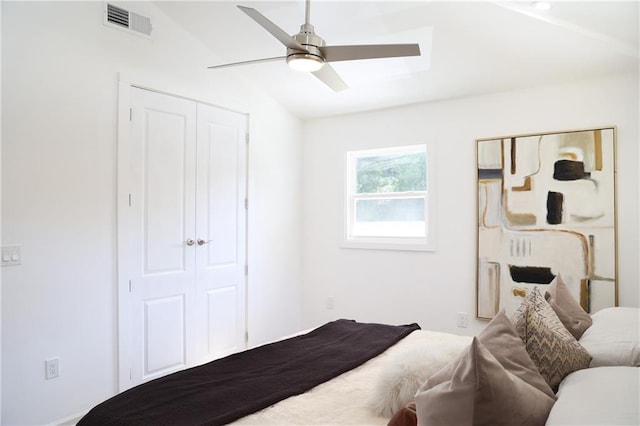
(598, 396)
(347, 399)
(614, 337)
(595, 396)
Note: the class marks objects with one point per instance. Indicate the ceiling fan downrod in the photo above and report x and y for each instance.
(307, 12)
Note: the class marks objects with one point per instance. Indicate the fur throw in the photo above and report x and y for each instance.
(408, 368)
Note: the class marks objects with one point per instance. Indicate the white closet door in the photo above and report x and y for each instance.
(182, 170)
(221, 229)
(163, 202)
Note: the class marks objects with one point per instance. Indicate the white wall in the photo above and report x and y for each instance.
(0, 217)
(429, 288)
(59, 108)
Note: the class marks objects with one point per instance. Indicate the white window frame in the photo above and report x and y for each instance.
(427, 243)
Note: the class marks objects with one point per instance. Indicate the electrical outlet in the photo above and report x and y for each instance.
(52, 368)
(330, 303)
(462, 319)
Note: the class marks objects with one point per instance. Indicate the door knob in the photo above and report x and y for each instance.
(202, 242)
(190, 242)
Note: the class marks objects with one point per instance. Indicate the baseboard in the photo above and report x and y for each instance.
(71, 420)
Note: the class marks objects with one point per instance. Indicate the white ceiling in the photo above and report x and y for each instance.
(468, 48)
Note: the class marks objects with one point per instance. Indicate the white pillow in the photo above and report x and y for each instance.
(408, 368)
(598, 396)
(614, 337)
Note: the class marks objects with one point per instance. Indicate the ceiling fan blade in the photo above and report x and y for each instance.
(330, 77)
(273, 29)
(253, 61)
(368, 51)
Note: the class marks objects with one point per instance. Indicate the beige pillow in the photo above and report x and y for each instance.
(501, 339)
(504, 343)
(481, 392)
(551, 347)
(569, 311)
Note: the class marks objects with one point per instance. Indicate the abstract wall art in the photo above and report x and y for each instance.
(546, 206)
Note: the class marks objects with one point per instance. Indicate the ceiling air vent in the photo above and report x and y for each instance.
(120, 18)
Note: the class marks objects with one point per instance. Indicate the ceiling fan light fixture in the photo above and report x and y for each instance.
(305, 62)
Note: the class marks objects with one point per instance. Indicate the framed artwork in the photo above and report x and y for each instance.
(546, 206)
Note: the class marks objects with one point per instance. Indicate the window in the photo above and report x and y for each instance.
(388, 199)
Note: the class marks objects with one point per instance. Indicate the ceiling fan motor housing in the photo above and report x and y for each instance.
(310, 41)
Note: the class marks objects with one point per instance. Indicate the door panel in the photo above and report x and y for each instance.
(223, 320)
(165, 191)
(223, 148)
(164, 346)
(221, 220)
(163, 214)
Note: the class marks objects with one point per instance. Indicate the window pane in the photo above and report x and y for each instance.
(390, 210)
(397, 217)
(391, 172)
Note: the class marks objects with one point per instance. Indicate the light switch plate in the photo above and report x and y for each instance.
(11, 256)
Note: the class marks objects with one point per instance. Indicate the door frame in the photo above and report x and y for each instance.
(123, 191)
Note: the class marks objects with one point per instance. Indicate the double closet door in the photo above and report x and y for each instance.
(184, 254)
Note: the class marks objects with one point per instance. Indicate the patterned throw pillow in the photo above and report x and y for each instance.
(501, 339)
(551, 347)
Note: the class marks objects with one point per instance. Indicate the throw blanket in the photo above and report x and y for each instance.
(230, 388)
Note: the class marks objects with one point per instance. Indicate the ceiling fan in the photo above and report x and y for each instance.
(306, 50)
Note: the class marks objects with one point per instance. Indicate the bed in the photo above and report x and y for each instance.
(351, 373)
(329, 375)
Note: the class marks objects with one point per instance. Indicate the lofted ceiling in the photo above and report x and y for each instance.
(468, 48)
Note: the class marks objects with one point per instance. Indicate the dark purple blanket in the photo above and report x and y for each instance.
(230, 388)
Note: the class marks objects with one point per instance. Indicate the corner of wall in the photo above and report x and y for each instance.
(0, 212)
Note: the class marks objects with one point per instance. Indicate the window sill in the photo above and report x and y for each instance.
(395, 245)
